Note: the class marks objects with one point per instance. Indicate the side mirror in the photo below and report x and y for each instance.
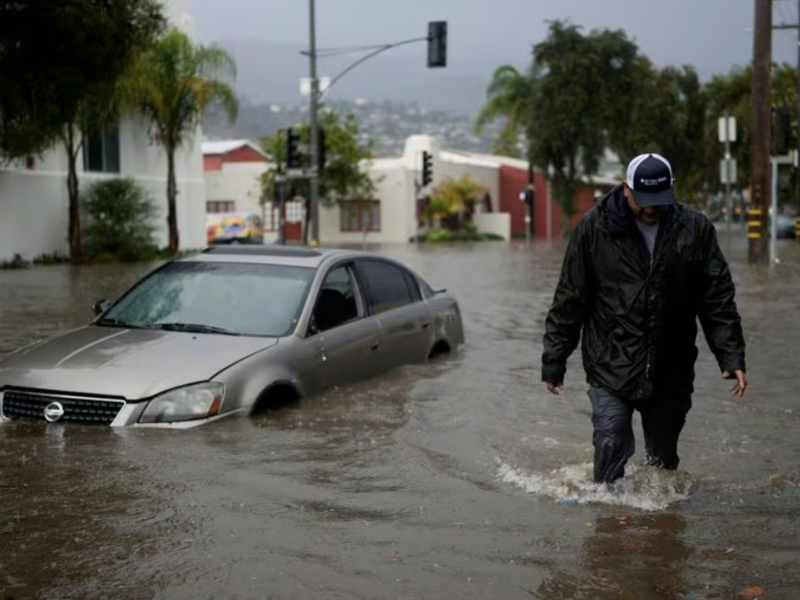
(101, 306)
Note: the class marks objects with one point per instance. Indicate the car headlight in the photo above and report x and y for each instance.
(195, 401)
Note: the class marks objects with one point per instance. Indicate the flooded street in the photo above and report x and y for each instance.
(457, 479)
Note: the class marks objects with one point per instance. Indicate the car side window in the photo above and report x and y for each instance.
(388, 286)
(336, 301)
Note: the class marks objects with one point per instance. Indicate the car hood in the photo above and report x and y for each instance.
(133, 363)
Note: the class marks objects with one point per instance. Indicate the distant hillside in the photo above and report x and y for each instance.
(388, 123)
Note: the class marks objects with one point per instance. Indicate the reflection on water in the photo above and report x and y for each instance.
(627, 558)
(67, 490)
(461, 477)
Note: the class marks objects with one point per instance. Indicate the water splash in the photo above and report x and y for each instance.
(643, 488)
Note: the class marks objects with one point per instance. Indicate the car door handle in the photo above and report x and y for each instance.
(426, 324)
(375, 346)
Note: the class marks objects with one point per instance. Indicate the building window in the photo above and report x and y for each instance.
(361, 216)
(101, 151)
(220, 206)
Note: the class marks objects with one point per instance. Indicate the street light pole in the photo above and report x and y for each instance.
(313, 121)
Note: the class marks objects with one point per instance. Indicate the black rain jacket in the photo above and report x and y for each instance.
(639, 320)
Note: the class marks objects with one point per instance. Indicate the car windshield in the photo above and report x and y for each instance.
(215, 297)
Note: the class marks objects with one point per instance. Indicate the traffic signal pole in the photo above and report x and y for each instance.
(437, 57)
(313, 119)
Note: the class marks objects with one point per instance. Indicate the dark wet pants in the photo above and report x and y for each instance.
(663, 419)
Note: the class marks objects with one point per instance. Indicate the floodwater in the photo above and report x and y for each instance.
(456, 479)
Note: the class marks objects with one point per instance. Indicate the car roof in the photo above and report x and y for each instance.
(273, 254)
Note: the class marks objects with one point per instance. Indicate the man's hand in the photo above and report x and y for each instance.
(741, 381)
(554, 388)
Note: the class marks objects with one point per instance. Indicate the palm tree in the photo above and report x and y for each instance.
(173, 84)
(455, 198)
(509, 97)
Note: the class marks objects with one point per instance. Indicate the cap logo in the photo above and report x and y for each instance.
(653, 181)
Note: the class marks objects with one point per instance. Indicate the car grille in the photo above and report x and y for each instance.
(31, 405)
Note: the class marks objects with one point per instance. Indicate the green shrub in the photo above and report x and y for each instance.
(119, 217)
(466, 234)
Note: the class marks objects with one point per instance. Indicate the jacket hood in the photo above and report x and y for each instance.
(616, 213)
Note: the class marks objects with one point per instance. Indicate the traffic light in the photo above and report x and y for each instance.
(437, 44)
(293, 160)
(321, 159)
(427, 168)
(781, 130)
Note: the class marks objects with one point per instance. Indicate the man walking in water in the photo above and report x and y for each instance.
(639, 270)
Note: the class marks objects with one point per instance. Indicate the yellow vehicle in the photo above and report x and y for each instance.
(235, 228)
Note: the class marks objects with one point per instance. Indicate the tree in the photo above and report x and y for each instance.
(509, 97)
(666, 113)
(97, 110)
(345, 180)
(172, 84)
(100, 108)
(53, 52)
(580, 96)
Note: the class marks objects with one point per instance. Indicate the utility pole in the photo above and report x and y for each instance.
(313, 122)
(758, 221)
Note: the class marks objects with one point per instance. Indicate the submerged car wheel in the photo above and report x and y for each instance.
(440, 348)
(276, 397)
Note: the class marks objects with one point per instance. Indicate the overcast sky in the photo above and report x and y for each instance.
(711, 34)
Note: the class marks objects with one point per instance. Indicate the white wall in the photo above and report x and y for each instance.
(496, 223)
(395, 192)
(237, 181)
(33, 202)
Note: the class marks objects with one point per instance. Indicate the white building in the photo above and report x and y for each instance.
(234, 167)
(233, 170)
(393, 216)
(33, 191)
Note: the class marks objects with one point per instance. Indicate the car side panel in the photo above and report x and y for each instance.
(286, 362)
(345, 355)
(447, 321)
(407, 335)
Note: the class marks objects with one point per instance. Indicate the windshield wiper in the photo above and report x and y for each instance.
(116, 323)
(194, 328)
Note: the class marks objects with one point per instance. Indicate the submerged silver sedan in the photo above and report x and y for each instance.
(233, 330)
